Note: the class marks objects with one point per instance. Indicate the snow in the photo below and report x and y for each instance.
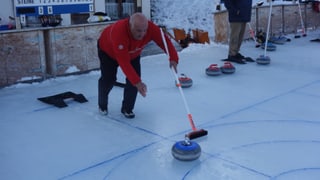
(191, 14)
(72, 69)
(263, 121)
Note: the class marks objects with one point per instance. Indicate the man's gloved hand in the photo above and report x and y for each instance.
(142, 89)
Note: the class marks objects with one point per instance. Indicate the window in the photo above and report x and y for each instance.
(118, 9)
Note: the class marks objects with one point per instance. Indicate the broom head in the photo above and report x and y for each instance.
(196, 134)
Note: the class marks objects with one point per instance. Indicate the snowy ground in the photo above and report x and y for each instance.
(191, 14)
(263, 122)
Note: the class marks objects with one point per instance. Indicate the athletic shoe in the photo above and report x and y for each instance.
(103, 111)
(127, 114)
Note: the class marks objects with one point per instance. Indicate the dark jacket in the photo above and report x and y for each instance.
(239, 10)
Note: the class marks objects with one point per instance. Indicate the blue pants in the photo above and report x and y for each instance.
(109, 68)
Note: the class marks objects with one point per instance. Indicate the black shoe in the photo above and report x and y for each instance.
(247, 59)
(127, 114)
(239, 56)
(236, 59)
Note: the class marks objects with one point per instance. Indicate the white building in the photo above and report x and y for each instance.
(27, 12)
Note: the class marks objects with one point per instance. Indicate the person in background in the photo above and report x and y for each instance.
(120, 45)
(239, 12)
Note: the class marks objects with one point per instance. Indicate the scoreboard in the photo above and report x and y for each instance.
(52, 7)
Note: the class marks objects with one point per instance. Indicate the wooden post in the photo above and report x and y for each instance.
(120, 9)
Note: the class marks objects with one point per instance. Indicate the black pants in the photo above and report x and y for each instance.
(109, 68)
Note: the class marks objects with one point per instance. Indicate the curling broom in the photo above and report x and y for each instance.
(196, 133)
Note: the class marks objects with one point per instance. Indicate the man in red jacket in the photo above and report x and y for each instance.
(120, 44)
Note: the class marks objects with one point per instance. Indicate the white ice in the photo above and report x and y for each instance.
(263, 121)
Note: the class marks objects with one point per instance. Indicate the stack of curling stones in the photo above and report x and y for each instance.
(184, 81)
(215, 70)
(186, 150)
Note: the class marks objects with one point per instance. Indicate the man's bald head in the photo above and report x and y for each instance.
(138, 25)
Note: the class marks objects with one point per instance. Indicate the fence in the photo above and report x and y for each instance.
(285, 19)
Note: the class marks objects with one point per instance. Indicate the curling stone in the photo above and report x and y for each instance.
(270, 46)
(299, 36)
(228, 68)
(185, 81)
(213, 70)
(278, 40)
(186, 150)
(263, 60)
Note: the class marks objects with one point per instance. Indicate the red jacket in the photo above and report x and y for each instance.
(116, 41)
